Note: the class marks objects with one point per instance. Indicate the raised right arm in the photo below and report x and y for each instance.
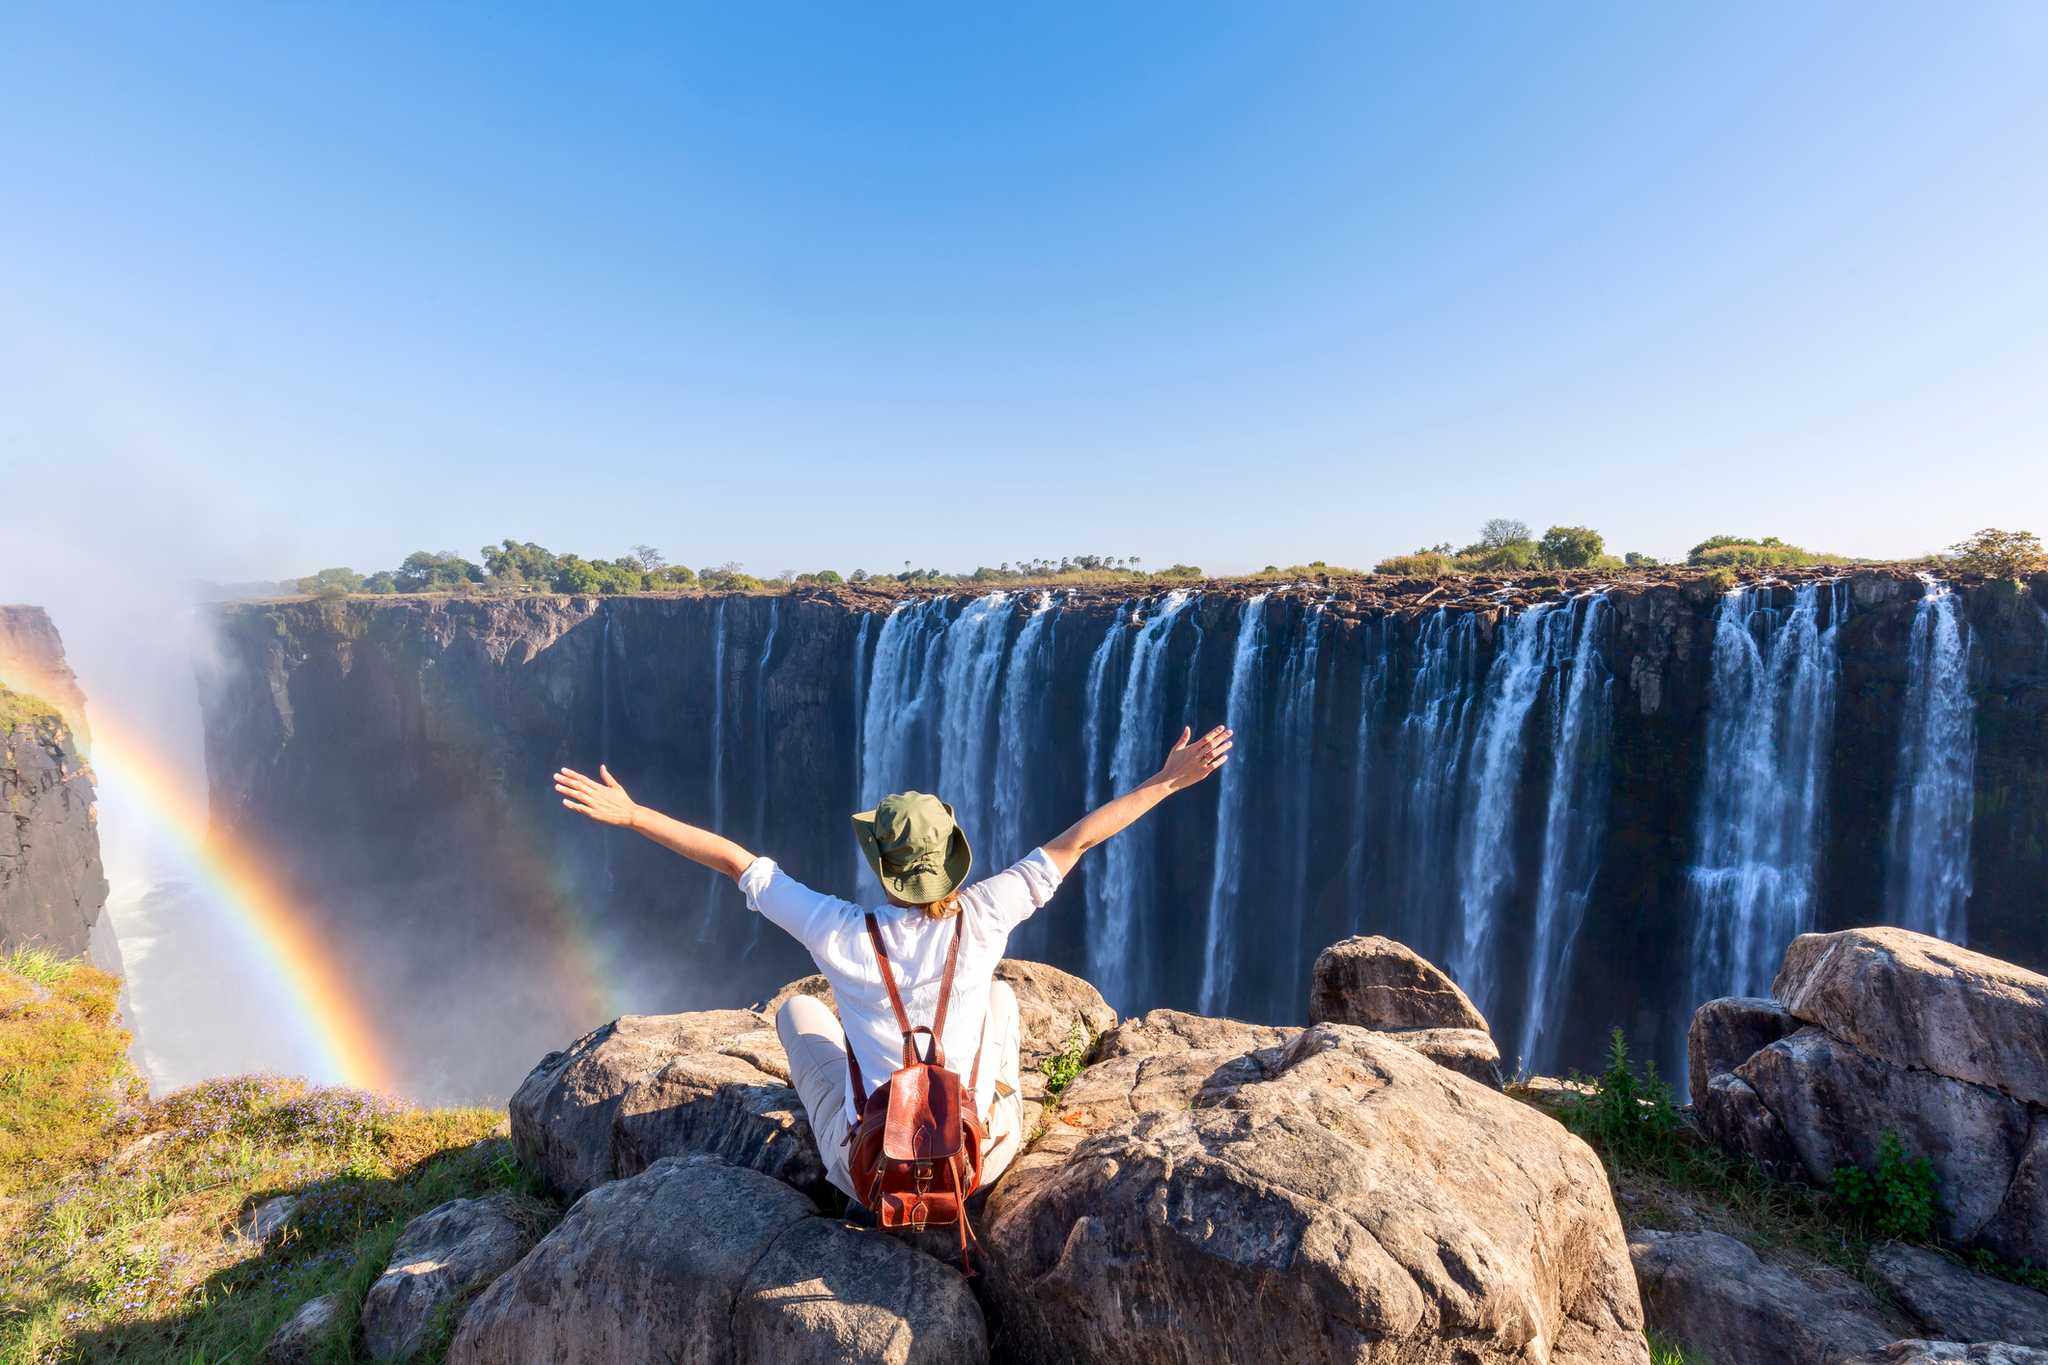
(607, 803)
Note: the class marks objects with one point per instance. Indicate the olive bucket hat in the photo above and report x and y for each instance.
(915, 847)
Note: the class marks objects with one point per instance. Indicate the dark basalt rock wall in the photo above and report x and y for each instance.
(391, 758)
(52, 887)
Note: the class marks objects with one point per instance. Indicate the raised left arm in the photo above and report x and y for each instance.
(1186, 764)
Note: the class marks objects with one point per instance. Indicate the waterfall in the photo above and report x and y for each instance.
(1115, 898)
(1499, 749)
(604, 732)
(969, 694)
(860, 681)
(715, 884)
(1770, 725)
(1582, 710)
(1295, 751)
(1373, 669)
(760, 834)
(1932, 803)
(1027, 687)
(894, 693)
(1431, 751)
(1240, 713)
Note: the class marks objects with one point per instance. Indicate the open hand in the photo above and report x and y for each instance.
(1188, 763)
(605, 802)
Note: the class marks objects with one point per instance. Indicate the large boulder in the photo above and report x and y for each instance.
(1377, 983)
(1468, 1051)
(1947, 1299)
(1712, 1295)
(442, 1255)
(1836, 1102)
(1334, 1198)
(696, 1259)
(1732, 1115)
(648, 1086)
(1727, 1032)
(1164, 1030)
(1920, 1002)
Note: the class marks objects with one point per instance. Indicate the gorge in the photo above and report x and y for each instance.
(1597, 803)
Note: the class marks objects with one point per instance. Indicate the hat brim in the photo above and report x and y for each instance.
(920, 888)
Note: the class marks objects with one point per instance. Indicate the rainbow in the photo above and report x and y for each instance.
(345, 1045)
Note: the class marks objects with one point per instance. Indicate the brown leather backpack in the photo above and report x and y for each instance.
(915, 1154)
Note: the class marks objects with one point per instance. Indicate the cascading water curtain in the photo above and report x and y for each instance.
(1575, 814)
(1486, 858)
(1241, 710)
(1770, 725)
(1928, 881)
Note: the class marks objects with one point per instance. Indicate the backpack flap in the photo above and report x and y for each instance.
(925, 1104)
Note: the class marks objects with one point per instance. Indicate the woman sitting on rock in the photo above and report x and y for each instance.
(921, 858)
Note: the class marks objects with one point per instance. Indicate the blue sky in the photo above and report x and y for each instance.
(290, 285)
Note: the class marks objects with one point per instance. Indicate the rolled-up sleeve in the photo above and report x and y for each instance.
(783, 900)
(1012, 895)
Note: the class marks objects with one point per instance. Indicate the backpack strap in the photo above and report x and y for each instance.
(889, 977)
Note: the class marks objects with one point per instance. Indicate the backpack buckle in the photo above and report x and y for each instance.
(921, 1172)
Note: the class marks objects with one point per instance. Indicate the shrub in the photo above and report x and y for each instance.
(2000, 554)
(1505, 557)
(1627, 1117)
(1062, 1066)
(1180, 571)
(1896, 1199)
(331, 583)
(1570, 547)
(1421, 564)
(1722, 579)
(1635, 560)
(1751, 552)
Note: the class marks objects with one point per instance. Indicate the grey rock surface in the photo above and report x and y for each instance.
(443, 1254)
(687, 1262)
(1949, 1300)
(1335, 1198)
(1712, 1295)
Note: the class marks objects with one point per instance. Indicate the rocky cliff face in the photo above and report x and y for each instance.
(52, 887)
(1520, 782)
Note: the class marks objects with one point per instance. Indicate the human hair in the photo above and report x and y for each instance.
(945, 907)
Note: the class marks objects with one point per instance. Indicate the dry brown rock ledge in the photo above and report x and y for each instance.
(1204, 1190)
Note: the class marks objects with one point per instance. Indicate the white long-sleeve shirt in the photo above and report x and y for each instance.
(835, 932)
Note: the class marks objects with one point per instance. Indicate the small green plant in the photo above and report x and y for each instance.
(1665, 1351)
(1062, 1066)
(1627, 1118)
(39, 965)
(1722, 579)
(1897, 1199)
(2024, 1273)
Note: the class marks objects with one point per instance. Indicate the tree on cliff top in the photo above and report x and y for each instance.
(2000, 554)
(1570, 547)
(425, 571)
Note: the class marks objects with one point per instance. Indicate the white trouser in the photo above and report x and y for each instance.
(816, 1046)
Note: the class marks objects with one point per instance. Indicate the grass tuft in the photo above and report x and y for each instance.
(118, 1213)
